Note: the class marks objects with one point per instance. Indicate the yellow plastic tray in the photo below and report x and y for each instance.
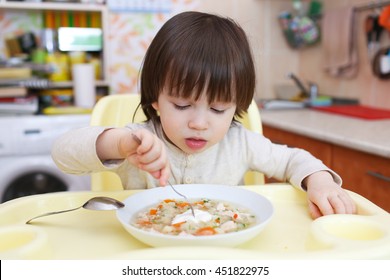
(291, 234)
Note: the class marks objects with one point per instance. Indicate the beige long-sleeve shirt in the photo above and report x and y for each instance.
(224, 163)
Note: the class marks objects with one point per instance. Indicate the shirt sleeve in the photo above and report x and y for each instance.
(282, 162)
(75, 151)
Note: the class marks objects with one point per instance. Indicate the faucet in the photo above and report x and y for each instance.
(311, 92)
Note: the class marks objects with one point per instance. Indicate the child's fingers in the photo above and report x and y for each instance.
(154, 160)
(325, 206)
(342, 203)
(165, 174)
(314, 210)
(150, 152)
(157, 166)
(152, 167)
(144, 146)
(150, 144)
(144, 141)
(337, 205)
(349, 204)
(156, 174)
(151, 156)
(161, 174)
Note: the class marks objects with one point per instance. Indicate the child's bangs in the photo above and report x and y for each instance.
(191, 77)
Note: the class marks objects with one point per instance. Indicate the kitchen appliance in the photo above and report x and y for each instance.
(80, 39)
(26, 164)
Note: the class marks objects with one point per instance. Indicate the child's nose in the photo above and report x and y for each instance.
(198, 121)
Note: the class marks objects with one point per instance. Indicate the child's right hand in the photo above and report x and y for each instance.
(150, 154)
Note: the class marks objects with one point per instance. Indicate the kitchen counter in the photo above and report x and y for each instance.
(370, 136)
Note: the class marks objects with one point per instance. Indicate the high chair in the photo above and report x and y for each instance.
(117, 110)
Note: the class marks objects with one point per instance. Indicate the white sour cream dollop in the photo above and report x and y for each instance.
(200, 216)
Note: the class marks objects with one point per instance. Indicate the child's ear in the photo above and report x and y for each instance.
(155, 106)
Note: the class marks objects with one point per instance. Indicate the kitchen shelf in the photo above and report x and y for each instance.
(76, 7)
(68, 84)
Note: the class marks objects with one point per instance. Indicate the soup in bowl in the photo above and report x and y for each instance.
(223, 215)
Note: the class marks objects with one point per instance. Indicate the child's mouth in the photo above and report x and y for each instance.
(195, 144)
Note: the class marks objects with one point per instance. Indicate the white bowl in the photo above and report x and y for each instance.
(260, 206)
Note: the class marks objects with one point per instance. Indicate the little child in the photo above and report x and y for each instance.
(198, 75)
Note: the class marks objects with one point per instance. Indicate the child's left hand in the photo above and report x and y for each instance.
(326, 197)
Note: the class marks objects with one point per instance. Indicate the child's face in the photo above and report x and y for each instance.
(194, 126)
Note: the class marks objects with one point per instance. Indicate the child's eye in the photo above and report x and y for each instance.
(218, 111)
(181, 107)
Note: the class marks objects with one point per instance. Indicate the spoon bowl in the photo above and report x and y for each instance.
(103, 203)
(95, 203)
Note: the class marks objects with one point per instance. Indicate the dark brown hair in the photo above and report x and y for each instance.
(193, 52)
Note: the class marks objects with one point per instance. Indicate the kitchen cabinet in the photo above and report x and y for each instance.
(319, 149)
(363, 173)
(96, 9)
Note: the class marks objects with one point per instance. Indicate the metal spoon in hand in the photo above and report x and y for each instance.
(136, 139)
(95, 203)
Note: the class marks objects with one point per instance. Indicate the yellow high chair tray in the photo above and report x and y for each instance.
(291, 234)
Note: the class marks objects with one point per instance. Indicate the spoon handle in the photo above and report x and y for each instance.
(182, 195)
(136, 139)
(52, 213)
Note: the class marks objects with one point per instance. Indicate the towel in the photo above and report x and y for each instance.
(357, 111)
(340, 58)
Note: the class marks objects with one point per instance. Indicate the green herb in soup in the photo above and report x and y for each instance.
(174, 217)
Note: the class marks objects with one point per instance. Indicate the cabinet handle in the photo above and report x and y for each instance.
(378, 175)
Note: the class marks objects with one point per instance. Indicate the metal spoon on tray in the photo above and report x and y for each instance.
(136, 139)
(95, 203)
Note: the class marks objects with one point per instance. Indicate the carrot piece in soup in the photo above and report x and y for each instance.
(144, 223)
(182, 204)
(177, 225)
(206, 231)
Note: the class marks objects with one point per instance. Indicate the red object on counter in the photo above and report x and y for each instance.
(358, 111)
